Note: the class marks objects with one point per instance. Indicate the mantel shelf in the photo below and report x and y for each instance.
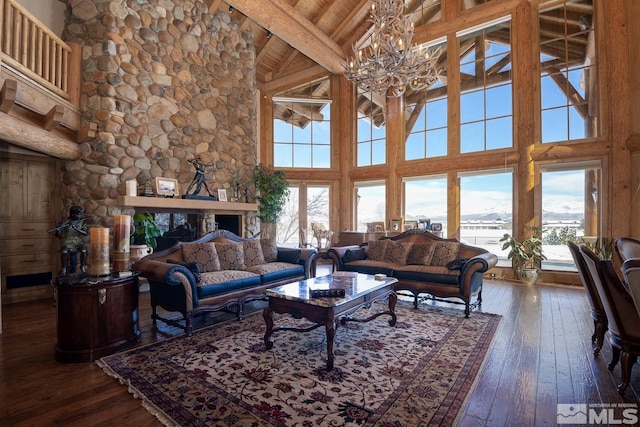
(185, 204)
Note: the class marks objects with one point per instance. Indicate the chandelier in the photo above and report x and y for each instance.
(386, 62)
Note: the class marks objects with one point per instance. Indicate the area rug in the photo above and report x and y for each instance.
(414, 374)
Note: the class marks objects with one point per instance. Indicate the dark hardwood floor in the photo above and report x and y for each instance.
(541, 356)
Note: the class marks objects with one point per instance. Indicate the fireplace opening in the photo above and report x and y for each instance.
(230, 223)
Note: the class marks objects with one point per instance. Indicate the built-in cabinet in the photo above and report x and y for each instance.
(28, 252)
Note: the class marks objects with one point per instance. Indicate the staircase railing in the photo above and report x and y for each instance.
(34, 50)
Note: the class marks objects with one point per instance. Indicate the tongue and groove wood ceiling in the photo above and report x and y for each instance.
(300, 42)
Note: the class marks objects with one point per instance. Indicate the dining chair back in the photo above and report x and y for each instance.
(595, 304)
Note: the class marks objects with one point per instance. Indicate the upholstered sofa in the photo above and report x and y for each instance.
(425, 265)
(219, 271)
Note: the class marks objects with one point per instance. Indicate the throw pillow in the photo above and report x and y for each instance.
(252, 253)
(354, 255)
(397, 252)
(420, 253)
(291, 256)
(203, 253)
(444, 253)
(457, 263)
(377, 249)
(191, 266)
(231, 255)
(269, 250)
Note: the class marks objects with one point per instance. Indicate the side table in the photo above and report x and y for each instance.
(96, 317)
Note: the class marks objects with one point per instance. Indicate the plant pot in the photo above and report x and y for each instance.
(139, 251)
(528, 275)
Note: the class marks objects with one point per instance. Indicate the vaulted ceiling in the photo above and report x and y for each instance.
(300, 42)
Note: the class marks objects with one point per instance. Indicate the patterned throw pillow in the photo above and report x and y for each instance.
(397, 252)
(377, 249)
(420, 253)
(202, 253)
(444, 253)
(252, 253)
(269, 250)
(231, 256)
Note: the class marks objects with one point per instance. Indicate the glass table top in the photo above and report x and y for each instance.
(354, 284)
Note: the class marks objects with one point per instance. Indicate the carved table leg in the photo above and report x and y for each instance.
(330, 326)
(393, 299)
(267, 313)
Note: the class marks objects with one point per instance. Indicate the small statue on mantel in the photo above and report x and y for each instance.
(72, 231)
(199, 180)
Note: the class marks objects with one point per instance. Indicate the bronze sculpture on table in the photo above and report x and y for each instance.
(72, 231)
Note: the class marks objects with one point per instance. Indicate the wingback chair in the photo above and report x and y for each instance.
(624, 334)
(626, 248)
(597, 309)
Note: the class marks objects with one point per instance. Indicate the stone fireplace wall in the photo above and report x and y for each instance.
(164, 81)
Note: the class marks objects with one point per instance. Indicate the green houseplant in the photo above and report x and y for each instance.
(526, 255)
(272, 194)
(146, 229)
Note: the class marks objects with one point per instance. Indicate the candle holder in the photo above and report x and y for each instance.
(121, 242)
(99, 255)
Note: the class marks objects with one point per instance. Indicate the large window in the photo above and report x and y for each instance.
(301, 133)
(425, 198)
(570, 210)
(568, 81)
(428, 118)
(486, 210)
(370, 203)
(486, 113)
(371, 144)
(308, 203)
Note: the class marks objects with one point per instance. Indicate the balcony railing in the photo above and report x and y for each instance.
(32, 49)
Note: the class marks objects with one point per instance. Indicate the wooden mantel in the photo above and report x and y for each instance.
(185, 204)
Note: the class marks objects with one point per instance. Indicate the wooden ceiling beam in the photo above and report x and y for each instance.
(290, 26)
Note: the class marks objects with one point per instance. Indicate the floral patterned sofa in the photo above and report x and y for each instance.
(219, 271)
(424, 264)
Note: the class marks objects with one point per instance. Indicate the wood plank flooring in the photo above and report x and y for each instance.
(541, 356)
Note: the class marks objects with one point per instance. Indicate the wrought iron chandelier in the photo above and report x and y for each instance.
(386, 62)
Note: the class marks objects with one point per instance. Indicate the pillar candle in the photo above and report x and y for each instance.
(99, 251)
(121, 233)
(131, 187)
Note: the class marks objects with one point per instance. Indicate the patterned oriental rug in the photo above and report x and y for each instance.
(415, 374)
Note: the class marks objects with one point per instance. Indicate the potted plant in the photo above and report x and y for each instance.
(145, 231)
(272, 194)
(525, 255)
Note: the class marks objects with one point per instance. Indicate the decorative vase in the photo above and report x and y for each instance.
(528, 276)
(139, 251)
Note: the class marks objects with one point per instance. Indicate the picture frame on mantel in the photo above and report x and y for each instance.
(166, 187)
(222, 195)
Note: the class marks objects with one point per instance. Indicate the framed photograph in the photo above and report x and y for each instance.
(396, 224)
(371, 227)
(436, 226)
(222, 195)
(410, 225)
(378, 226)
(166, 187)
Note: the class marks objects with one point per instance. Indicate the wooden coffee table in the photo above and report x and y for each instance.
(361, 290)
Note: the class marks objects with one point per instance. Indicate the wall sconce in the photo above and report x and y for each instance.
(231, 9)
(269, 34)
(594, 194)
